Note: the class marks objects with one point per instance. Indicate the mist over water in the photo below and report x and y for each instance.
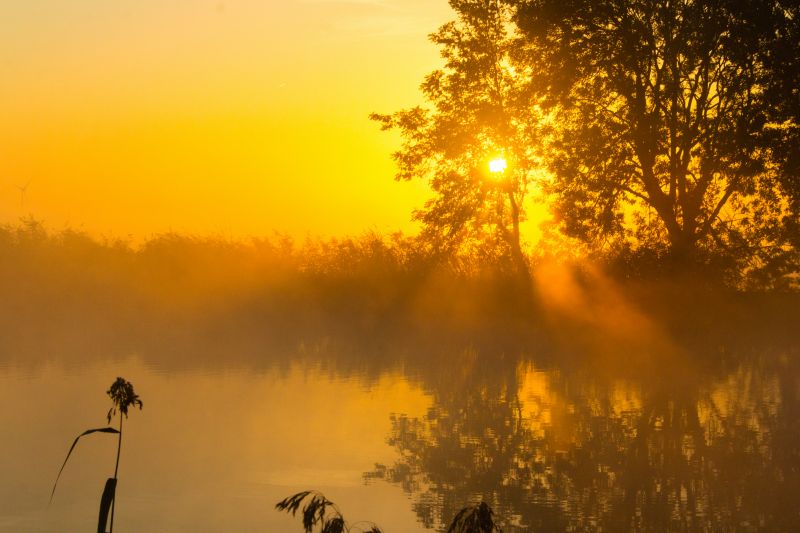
(402, 391)
(594, 326)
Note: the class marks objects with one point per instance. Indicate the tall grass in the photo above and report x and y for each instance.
(122, 397)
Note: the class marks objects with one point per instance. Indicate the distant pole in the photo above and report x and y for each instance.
(22, 190)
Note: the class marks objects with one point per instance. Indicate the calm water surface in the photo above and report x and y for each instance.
(608, 435)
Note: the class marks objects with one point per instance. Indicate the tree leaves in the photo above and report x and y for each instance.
(106, 504)
(477, 111)
(661, 113)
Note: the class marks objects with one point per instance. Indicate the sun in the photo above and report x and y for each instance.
(497, 165)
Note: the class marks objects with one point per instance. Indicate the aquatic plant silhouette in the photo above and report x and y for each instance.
(314, 511)
(473, 519)
(123, 397)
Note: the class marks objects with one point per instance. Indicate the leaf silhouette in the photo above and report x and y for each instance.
(314, 511)
(74, 443)
(292, 503)
(106, 503)
(335, 525)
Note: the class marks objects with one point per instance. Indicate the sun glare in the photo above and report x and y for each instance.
(497, 165)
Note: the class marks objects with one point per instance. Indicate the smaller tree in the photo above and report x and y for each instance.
(479, 112)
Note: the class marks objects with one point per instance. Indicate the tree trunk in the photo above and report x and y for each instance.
(520, 261)
(683, 252)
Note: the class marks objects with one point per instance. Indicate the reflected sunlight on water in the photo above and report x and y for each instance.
(696, 441)
(209, 452)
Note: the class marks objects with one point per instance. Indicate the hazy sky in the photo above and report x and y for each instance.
(236, 117)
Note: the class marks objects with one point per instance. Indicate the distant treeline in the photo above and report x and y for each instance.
(66, 288)
(210, 298)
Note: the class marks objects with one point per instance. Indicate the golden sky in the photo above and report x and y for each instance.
(235, 117)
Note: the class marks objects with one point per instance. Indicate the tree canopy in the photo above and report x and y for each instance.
(665, 132)
(665, 125)
(479, 111)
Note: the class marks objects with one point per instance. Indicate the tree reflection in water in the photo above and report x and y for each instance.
(709, 450)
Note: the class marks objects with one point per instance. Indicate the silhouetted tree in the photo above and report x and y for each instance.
(783, 94)
(661, 109)
(479, 111)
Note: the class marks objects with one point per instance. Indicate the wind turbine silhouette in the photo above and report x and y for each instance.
(22, 190)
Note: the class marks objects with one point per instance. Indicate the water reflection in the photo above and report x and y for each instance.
(593, 417)
(210, 452)
(714, 447)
